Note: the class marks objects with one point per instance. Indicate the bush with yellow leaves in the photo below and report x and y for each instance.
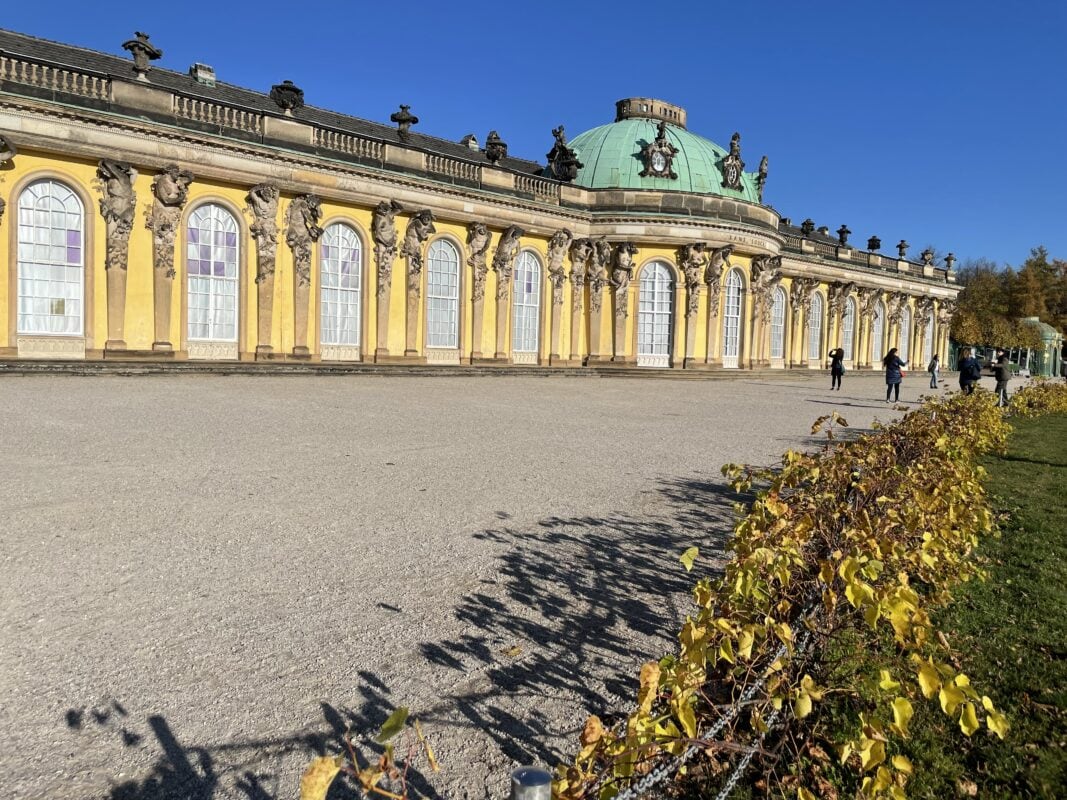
(868, 536)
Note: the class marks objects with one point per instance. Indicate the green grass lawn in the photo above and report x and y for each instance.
(1008, 634)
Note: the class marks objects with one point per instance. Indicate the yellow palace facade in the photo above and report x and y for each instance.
(147, 214)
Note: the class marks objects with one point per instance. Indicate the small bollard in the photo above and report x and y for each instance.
(531, 783)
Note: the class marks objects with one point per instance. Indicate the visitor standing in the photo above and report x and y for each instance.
(893, 376)
(970, 371)
(933, 368)
(1002, 373)
(837, 368)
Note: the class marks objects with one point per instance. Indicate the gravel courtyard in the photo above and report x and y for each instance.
(205, 580)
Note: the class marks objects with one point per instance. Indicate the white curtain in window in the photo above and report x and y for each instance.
(51, 260)
(655, 311)
(848, 328)
(778, 324)
(526, 303)
(815, 329)
(340, 275)
(211, 258)
(442, 295)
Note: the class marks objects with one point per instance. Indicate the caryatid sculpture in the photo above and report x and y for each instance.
(503, 264)
(420, 228)
(581, 250)
(478, 240)
(383, 231)
(839, 292)
(718, 263)
(693, 258)
(868, 302)
(766, 275)
(117, 206)
(262, 201)
(558, 246)
(621, 275)
(170, 190)
(598, 272)
(301, 232)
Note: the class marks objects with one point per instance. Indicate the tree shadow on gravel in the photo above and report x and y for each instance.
(578, 604)
(244, 767)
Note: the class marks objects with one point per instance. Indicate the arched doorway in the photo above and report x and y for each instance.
(526, 309)
(732, 314)
(655, 315)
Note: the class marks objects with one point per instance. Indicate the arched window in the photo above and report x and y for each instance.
(731, 319)
(848, 328)
(815, 330)
(928, 341)
(878, 333)
(340, 277)
(211, 266)
(778, 324)
(905, 333)
(655, 315)
(442, 295)
(526, 303)
(51, 260)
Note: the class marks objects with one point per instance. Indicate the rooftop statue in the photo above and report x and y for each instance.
(563, 163)
(404, 119)
(142, 51)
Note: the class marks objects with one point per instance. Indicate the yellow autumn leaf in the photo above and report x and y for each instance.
(687, 717)
(726, 650)
(929, 680)
(902, 764)
(950, 698)
(744, 644)
(902, 714)
(804, 794)
(318, 776)
(887, 683)
(997, 723)
(872, 754)
(802, 705)
(809, 686)
(429, 750)
(968, 719)
(649, 686)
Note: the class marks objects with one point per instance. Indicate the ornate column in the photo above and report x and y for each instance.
(117, 206)
(262, 203)
(170, 190)
(383, 231)
(868, 302)
(924, 314)
(420, 228)
(718, 263)
(503, 263)
(558, 246)
(301, 232)
(581, 249)
(478, 240)
(692, 259)
(620, 282)
(839, 292)
(895, 304)
(766, 275)
(598, 279)
(801, 292)
(946, 309)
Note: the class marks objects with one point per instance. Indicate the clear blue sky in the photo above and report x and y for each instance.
(943, 122)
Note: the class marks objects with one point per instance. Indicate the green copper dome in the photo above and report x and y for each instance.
(612, 159)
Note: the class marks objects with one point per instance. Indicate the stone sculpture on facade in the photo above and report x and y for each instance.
(563, 163)
(621, 275)
(838, 295)
(581, 250)
(495, 147)
(807, 227)
(262, 201)
(950, 261)
(420, 228)
(658, 156)
(801, 291)
(732, 166)
(842, 235)
(868, 302)
(766, 274)
(558, 246)
(718, 263)
(693, 258)
(170, 190)
(874, 244)
(288, 96)
(7, 150)
(143, 52)
(902, 249)
(598, 271)
(117, 206)
(761, 178)
(503, 265)
(301, 232)
(896, 304)
(404, 119)
(383, 231)
(478, 240)
(927, 256)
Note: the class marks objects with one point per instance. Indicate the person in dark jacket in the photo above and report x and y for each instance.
(970, 371)
(1002, 373)
(933, 367)
(892, 363)
(837, 368)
